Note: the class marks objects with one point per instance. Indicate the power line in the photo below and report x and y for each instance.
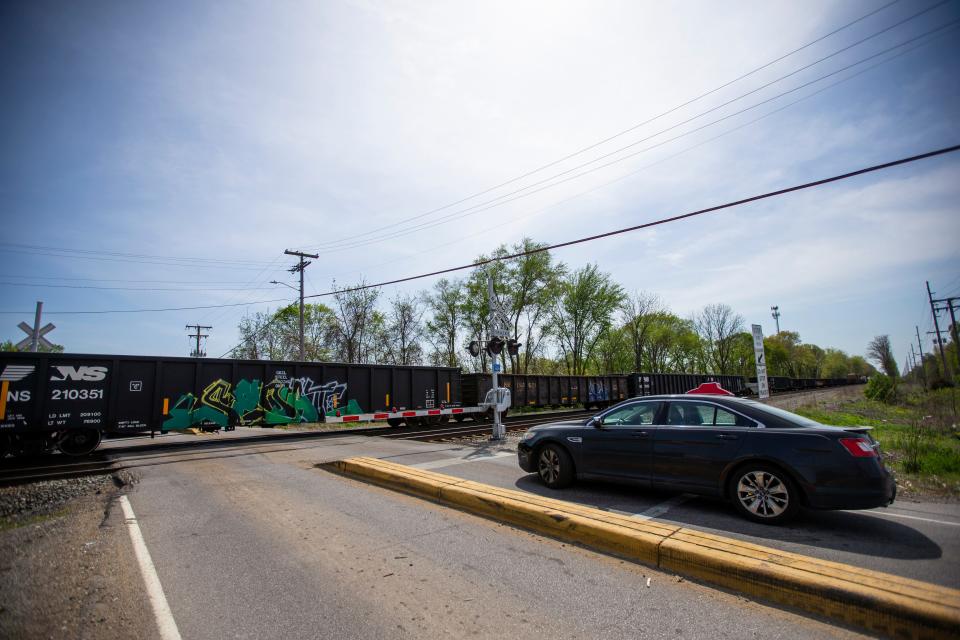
(518, 193)
(33, 247)
(136, 261)
(209, 306)
(669, 157)
(661, 115)
(728, 205)
(691, 214)
(71, 279)
(77, 286)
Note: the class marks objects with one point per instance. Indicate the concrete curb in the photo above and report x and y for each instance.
(882, 603)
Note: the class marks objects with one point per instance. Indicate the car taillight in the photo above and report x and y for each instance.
(859, 447)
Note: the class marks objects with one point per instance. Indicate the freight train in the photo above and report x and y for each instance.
(68, 401)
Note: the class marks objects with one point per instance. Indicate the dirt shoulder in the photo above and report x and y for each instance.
(67, 568)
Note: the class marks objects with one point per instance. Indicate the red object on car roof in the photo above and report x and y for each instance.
(710, 389)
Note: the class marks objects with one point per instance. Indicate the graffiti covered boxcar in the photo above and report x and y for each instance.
(68, 400)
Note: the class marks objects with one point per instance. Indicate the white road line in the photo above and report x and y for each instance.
(900, 515)
(658, 510)
(161, 610)
(449, 462)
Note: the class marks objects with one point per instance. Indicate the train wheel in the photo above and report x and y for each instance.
(459, 417)
(4, 445)
(394, 422)
(79, 442)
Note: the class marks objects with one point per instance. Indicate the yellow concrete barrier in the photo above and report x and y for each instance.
(883, 603)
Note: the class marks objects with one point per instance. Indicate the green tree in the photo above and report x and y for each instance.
(531, 285)
(582, 314)
(359, 327)
(445, 305)
(880, 351)
(640, 313)
(613, 353)
(717, 325)
(276, 336)
(404, 331)
(7, 345)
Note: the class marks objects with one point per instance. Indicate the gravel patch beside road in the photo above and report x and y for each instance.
(66, 563)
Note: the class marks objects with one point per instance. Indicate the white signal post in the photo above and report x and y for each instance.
(763, 387)
(495, 331)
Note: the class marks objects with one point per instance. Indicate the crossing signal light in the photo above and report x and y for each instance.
(474, 348)
(495, 346)
(513, 347)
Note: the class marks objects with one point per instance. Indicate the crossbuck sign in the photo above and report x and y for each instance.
(42, 343)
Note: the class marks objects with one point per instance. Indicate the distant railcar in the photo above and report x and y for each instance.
(548, 391)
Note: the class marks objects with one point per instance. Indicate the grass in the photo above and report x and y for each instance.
(918, 436)
(8, 523)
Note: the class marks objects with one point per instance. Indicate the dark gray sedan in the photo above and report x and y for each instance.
(768, 462)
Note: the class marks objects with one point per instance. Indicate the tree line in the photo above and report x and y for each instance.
(568, 321)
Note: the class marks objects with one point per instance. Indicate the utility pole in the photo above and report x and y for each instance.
(949, 306)
(196, 352)
(776, 316)
(35, 338)
(299, 268)
(923, 369)
(936, 325)
(953, 328)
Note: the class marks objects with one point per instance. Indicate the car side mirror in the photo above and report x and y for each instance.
(595, 422)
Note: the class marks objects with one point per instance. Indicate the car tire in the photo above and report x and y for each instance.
(764, 493)
(555, 466)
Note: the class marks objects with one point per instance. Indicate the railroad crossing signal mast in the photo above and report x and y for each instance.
(775, 313)
(499, 332)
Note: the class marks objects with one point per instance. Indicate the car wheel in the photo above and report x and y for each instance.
(555, 466)
(764, 493)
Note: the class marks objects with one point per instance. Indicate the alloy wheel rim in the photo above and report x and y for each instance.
(549, 465)
(763, 494)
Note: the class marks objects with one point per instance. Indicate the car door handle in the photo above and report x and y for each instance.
(640, 434)
(726, 436)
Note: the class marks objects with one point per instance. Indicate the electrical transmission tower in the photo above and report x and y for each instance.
(197, 353)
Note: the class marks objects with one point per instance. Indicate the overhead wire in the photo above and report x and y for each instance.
(629, 129)
(551, 247)
(518, 193)
(164, 263)
(78, 286)
(646, 225)
(31, 247)
(105, 311)
(634, 172)
(675, 218)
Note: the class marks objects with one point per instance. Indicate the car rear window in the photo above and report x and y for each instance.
(782, 414)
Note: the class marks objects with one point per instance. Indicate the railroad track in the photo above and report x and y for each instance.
(58, 467)
(514, 423)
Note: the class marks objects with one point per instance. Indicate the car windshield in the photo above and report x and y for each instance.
(784, 414)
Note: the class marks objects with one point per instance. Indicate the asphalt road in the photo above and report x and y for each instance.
(266, 545)
(919, 540)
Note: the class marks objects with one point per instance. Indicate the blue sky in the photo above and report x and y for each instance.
(205, 139)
